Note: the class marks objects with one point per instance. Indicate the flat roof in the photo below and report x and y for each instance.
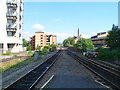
(39, 32)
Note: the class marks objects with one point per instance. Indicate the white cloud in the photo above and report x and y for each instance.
(58, 19)
(38, 26)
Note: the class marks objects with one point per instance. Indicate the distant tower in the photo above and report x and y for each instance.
(78, 34)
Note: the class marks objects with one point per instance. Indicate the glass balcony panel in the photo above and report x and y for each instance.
(12, 14)
(12, 3)
(11, 27)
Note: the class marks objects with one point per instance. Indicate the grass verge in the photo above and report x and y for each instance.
(16, 64)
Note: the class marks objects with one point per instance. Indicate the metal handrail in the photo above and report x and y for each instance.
(10, 25)
(12, 1)
(12, 14)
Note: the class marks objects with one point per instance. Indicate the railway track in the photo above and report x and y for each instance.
(108, 66)
(113, 66)
(104, 71)
(28, 81)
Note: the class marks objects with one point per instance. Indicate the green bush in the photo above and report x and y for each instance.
(102, 49)
(45, 50)
(7, 53)
(15, 55)
(31, 53)
(1, 69)
(108, 55)
(38, 48)
(42, 54)
(29, 47)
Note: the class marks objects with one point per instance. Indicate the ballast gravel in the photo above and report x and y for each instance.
(68, 73)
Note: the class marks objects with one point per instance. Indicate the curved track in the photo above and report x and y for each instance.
(109, 75)
(28, 81)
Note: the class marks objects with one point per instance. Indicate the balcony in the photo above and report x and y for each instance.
(11, 15)
(12, 3)
(11, 27)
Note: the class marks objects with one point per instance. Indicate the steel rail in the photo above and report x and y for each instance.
(29, 80)
(103, 73)
(108, 67)
(113, 66)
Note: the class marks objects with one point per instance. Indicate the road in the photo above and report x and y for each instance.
(69, 74)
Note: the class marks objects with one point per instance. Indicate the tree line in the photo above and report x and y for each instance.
(111, 53)
(82, 43)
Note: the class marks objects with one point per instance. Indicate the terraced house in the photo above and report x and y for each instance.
(11, 25)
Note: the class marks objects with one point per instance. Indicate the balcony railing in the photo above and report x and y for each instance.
(11, 27)
(11, 15)
(12, 3)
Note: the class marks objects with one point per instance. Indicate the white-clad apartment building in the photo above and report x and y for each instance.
(11, 25)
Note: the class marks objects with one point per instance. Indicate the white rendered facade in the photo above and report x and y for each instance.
(11, 25)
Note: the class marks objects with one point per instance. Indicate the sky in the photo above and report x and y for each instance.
(71, 0)
(64, 18)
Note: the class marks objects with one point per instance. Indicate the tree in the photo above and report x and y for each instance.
(46, 49)
(38, 48)
(29, 47)
(89, 44)
(84, 44)
(53, 45)
(113, 38)
(25, 43)
(68, 42)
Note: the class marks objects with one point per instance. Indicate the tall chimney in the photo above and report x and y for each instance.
(78, 34)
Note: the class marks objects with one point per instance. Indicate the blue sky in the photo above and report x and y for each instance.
(64, 18)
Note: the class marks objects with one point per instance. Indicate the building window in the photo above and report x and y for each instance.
(20, 17)
(9, 33)
(19, 35)
(9, 21)
(10, 10)
(20, 26)
(1, 45)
